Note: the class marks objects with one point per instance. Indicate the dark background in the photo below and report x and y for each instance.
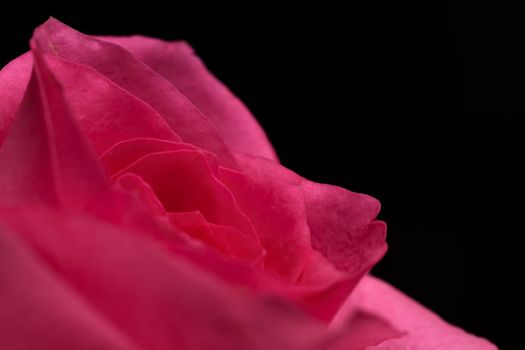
(416, 105)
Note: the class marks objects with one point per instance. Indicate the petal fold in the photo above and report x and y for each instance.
(177, 62)
(156, 298)
(45, 157)
(122, 68)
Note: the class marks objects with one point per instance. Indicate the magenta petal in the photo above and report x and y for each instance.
(155, 298)
(177, 62)
(25, 156)
(121, 67)
(136, 186)
(227, 239)
(276, 209)
(341, 228)
(184, 181)
(39, 311)
(424, 329)
(127, 152)
(45, 157)
(106, 113)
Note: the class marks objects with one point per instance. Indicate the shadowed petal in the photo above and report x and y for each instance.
(158, 300)
(184, 181)
(41, 311)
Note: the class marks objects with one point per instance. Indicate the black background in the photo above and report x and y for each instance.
(416, 105)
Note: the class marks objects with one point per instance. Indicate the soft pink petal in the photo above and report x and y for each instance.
(119, 66)
(39, 311)
(156, 299)
(424, 329)
(177, 62)
(366, 330)
(325, 287)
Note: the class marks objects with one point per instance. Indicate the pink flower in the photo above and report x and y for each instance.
(142, 207)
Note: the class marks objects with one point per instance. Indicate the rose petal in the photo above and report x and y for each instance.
(425, 330)
(341, 225)
(45, 157)
(127, 152)
(38, 310)
(225, 238)
(106, 113)
(119, 66)
(25, 155)
(184, 181)
(177, 62)
(157, 300)
(344, 231)
(135, 185)
(367, 330)
(276, 209)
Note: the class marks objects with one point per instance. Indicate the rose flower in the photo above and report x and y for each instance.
(142, 207)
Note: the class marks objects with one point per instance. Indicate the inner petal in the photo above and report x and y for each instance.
(184, 181)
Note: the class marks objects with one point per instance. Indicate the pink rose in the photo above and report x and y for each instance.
(142, 207)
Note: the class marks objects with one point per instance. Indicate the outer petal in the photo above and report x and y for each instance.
(25, 156)
(159, 301)
(38, 310)
(425, 330)
(45, 156)
(277, 211)
(329, 234)
(119, 66)
(106, 113)
(177, 62)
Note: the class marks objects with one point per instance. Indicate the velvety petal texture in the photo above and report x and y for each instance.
(142, 207)
(177, 62)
